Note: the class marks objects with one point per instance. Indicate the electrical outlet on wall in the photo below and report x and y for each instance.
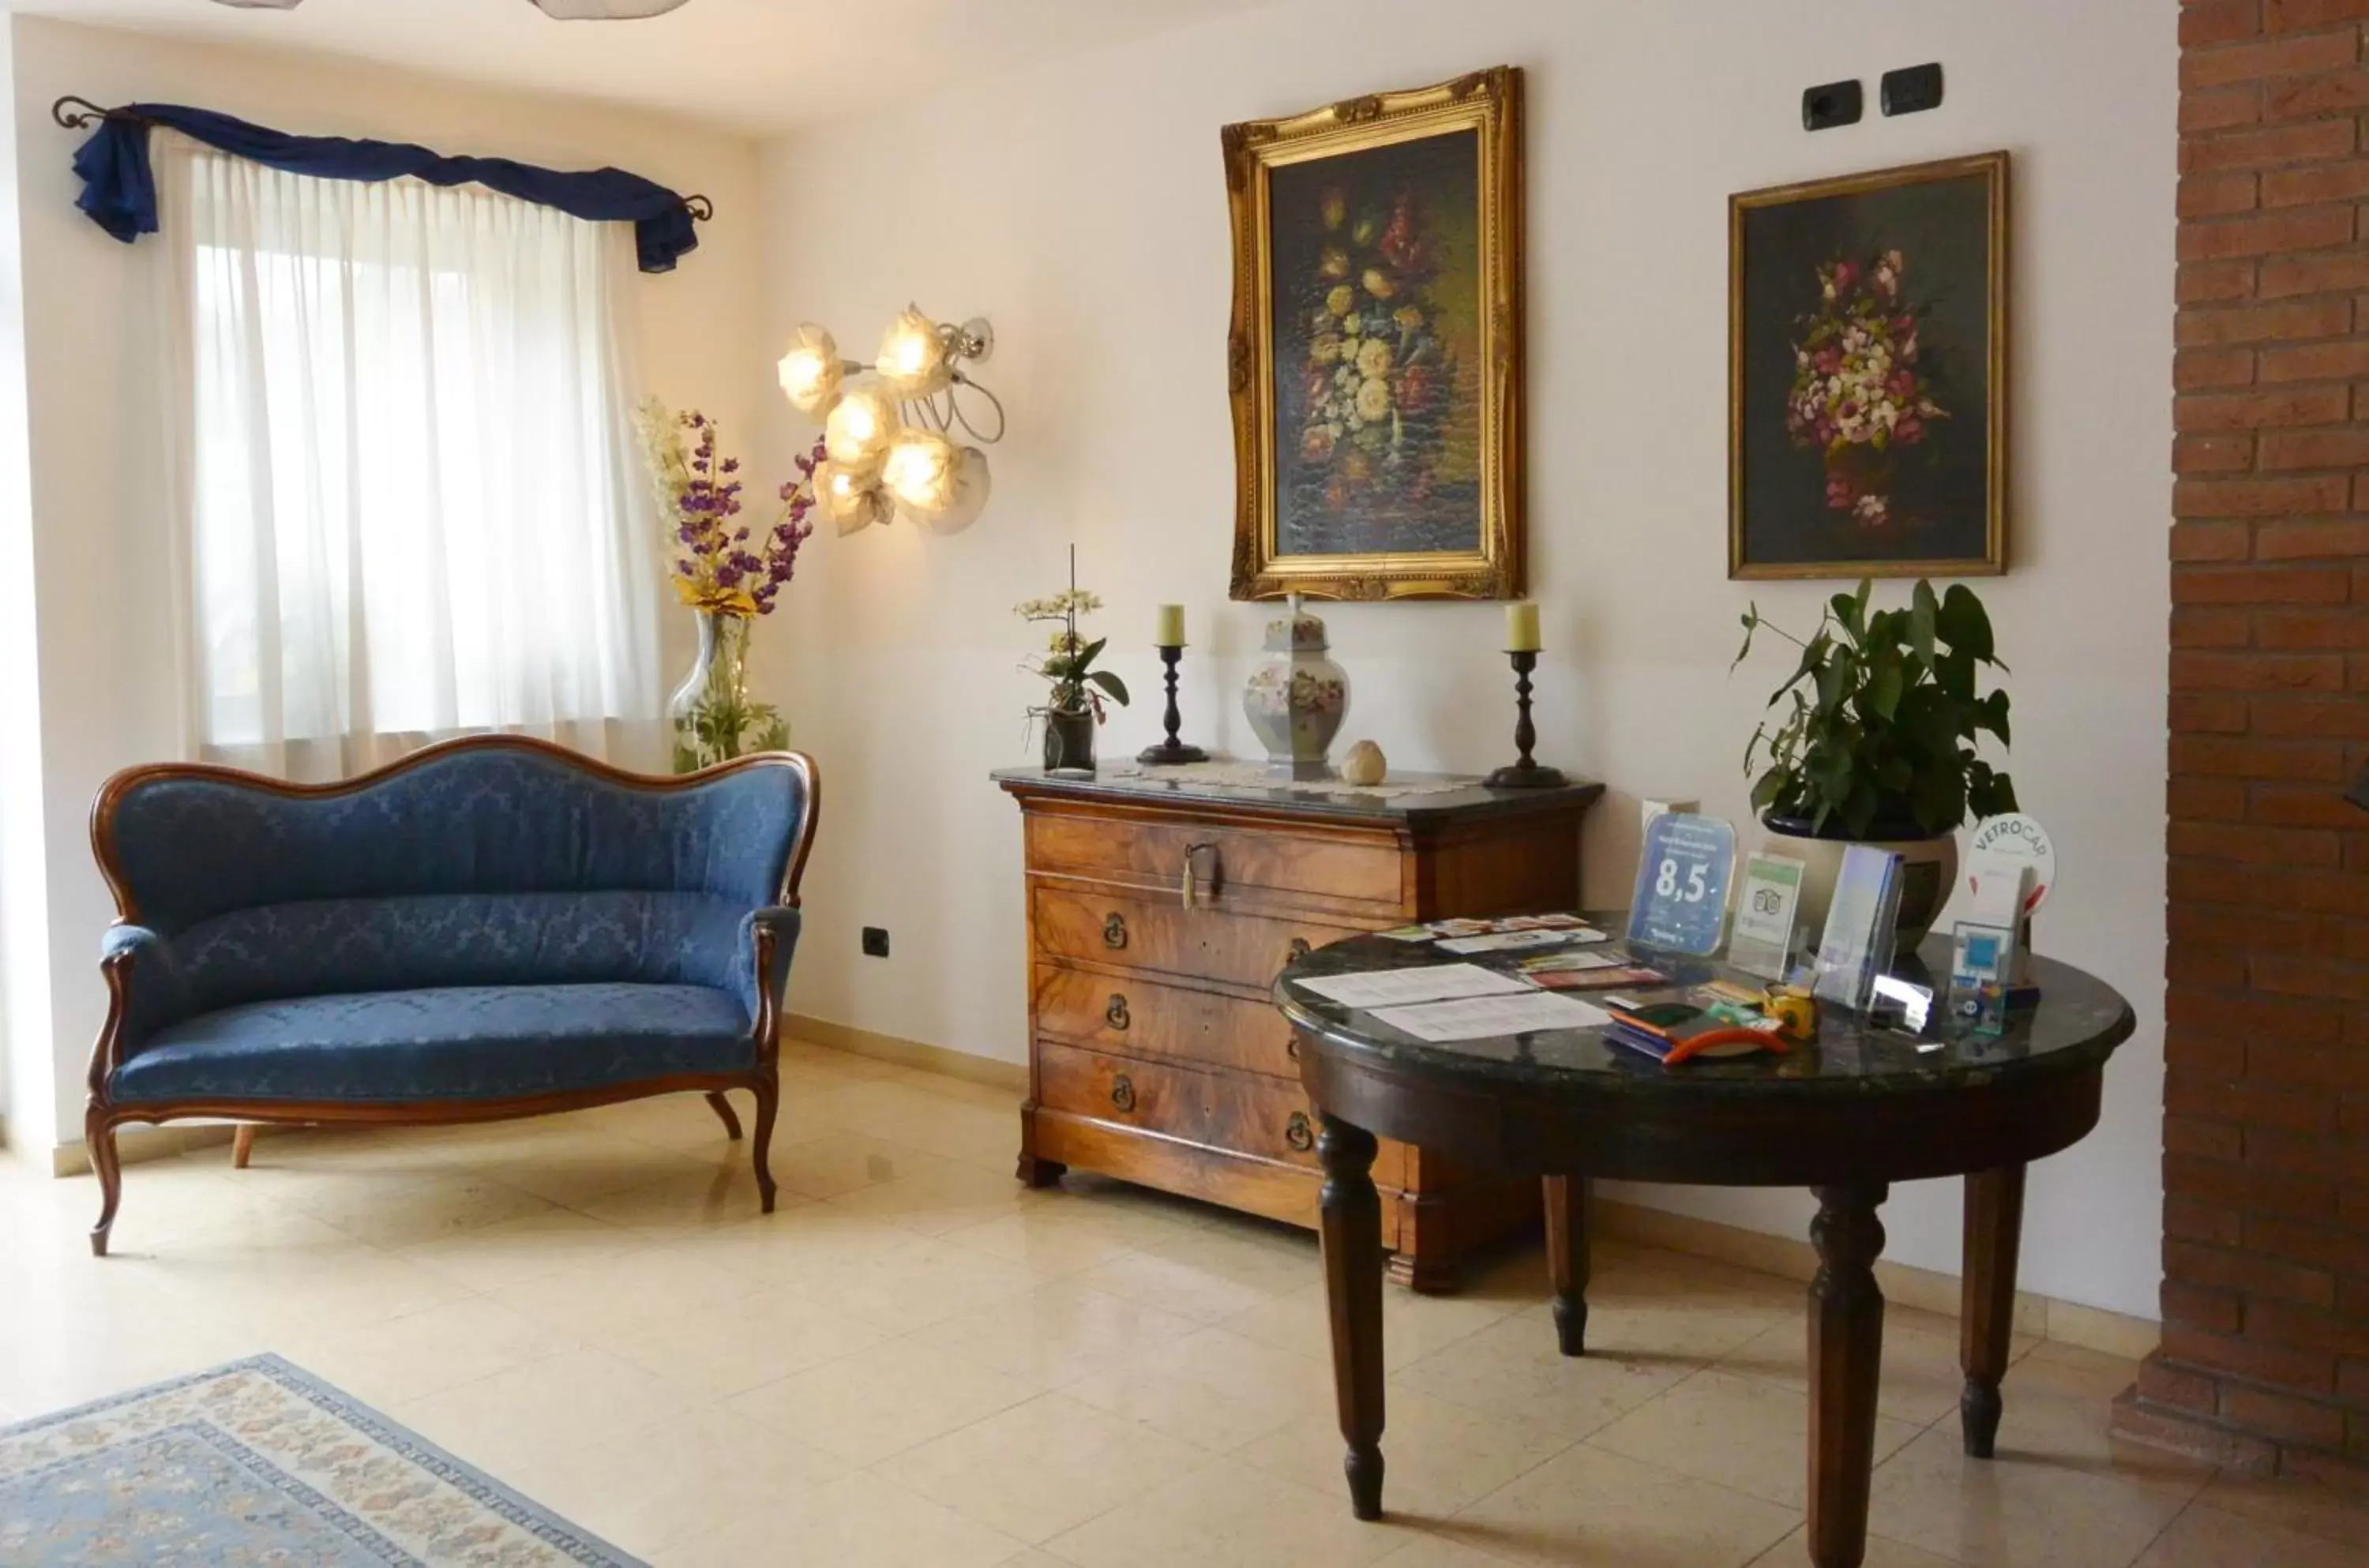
(875, 942)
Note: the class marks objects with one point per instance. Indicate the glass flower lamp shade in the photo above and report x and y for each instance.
(914, 360)
(919, 472)
(604, 11)
(968, 485)
(810, 371)
(858, 430)
(850, 498)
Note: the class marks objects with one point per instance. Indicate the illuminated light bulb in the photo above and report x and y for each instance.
(860, 425)
(920, 471)
(851, 499)
(913, 356)
(811, 370)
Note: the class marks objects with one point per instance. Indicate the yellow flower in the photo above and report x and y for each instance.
(1339, 299)
(1327, 348)
(1374, 400)
(1379, 284)
(1408, 318)
(1335, 263)
(1336, 208)
(1373, 358)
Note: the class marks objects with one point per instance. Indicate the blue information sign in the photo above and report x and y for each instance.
(1681, 897)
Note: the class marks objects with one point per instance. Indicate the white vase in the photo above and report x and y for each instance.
(1296, 698)
(1929, 870)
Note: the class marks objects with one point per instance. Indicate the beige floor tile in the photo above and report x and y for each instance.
(1044, 1467)
(287, 1290)
(1793, 1551)
(492, 1256)
(801, 1246)
(605, 1293)
(1739, 1432)
(1594, 1509)
(857, 1521)
(679, 1479)
(950, 1197)
(736, 1345)
(1056, 1333)
(1414, 1326)
(2207, 1538)
(394, 1209)
(865, 1407)
(843, 1162)
(913, 1288)
(1058, 1236)
(1229, 1513)
(409, 1358)
(1921, 1379)
(555, 1405)
(1209, 1273)
(2295, 1503)
(1214, 1389)
(2025, 1512)
(1437, 1551)
(1510, 1369)
(1440, 1456)
(934, 1123)
(575, 1173)
(676, 1205)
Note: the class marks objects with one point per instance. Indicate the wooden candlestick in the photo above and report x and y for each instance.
(1525, 774)
(1172, 749)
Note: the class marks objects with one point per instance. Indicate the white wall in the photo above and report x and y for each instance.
(1082, 209)
(106, 690)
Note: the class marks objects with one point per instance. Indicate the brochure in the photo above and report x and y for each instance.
(1424, 982)
(1479, 1017)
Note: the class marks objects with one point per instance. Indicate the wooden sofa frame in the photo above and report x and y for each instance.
(762, 1081)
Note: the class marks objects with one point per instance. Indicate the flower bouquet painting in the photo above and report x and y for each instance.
(1376, 343)
(1867, 356)
(728, 571)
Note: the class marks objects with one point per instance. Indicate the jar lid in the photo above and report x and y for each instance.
(1297, 632)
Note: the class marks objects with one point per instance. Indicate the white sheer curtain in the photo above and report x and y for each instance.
(409, 490)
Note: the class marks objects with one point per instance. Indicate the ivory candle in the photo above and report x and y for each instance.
(1170, 632)
(1522, 627)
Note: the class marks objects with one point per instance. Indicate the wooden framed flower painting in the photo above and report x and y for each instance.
(1866, 374)
(1374, 359)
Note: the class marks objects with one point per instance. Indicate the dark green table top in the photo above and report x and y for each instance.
(2077, 1024)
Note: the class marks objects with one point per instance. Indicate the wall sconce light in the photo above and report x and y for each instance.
(888, 441)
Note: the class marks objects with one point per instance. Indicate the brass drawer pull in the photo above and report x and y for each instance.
(1190, 893)
(1114, 931)
(1300, 948)
(1115, 1014)
(1123, 1092)
(1291, 1047)
(1298, 1133)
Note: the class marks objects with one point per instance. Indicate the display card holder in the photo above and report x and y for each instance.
(1760, 941)
(1984, 960)
(1680, 902)
(1861, 921)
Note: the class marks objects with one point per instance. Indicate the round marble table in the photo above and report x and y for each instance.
(1862, 1108)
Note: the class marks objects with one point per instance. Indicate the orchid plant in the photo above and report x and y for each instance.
(1067, 663)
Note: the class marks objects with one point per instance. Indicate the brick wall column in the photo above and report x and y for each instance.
(2265, 1355)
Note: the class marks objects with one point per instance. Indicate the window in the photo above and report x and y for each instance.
(412, 501)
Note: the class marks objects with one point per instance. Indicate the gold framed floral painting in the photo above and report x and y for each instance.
(1866, 374)
(1375, 361)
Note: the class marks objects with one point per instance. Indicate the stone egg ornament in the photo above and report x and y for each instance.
(1365, 765)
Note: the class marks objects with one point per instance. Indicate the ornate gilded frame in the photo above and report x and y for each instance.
(1491, 102)
(1993, 167)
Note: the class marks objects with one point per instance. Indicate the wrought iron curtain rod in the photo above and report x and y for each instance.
(83, 113)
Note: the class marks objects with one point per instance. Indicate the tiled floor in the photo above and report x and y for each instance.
(916, 1362)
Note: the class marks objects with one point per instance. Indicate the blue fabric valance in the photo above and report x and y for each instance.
(119, 187)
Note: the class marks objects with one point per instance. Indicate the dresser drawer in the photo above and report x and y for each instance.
(1172, 1100)
(1166, 938)
(1144, 1017)
(1263, 1116)
(1365, 870)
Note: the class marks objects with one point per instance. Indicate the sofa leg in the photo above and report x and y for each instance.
(99, 1138)
(769, 1100)
(242, 1145)
(723, 1109)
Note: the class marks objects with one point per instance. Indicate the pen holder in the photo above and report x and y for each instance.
(1525, 774)
(1172, 749)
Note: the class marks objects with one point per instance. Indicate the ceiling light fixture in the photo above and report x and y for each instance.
(888, 439)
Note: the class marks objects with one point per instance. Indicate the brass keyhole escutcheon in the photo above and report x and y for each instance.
(1123, 1092)
(1298, 1133)
(1115, 1014)
(1114, 931)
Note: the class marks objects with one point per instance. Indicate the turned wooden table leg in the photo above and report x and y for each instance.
(1987, 1306)
(1846, 1360)
(1351, 1228)
(1567, 1259)
(242, 1145)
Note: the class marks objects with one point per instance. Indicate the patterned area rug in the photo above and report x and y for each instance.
(259, 1462)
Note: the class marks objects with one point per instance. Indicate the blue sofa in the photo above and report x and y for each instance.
(490, 927)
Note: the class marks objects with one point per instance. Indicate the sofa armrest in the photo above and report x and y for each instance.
(147, 987)
(772, 932)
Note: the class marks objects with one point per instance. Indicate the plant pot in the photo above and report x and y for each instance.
(1069, 739)
(1928, 871)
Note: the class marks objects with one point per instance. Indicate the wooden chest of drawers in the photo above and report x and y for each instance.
(1158, 910)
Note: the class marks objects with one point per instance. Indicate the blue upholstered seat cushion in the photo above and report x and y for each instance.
(453, 1042)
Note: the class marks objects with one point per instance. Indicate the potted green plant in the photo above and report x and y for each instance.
(1076, 689)
(1876, 742)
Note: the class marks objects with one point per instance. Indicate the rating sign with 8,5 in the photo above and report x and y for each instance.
(1681, 897)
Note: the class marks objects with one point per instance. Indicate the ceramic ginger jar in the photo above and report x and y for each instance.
(1297, 697)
